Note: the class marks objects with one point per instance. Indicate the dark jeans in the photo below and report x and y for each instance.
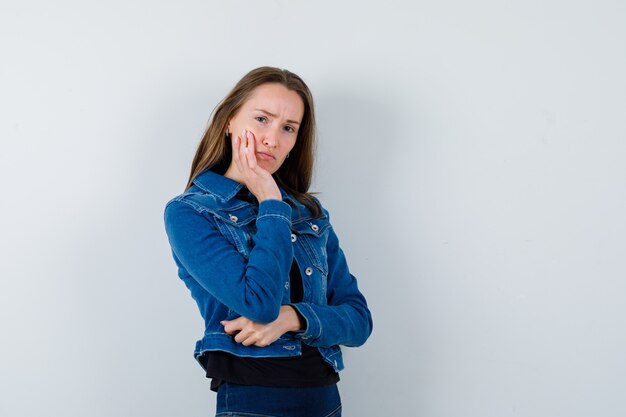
(234, 400)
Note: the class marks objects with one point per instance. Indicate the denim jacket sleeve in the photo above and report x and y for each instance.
(346, 319)
(252, 288)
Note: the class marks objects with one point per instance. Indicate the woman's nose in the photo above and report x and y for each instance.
(269, 139)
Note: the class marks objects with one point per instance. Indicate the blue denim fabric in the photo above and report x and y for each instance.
(235, 257)
(235, 400)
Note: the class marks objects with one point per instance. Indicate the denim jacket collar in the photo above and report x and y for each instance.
(225, 188)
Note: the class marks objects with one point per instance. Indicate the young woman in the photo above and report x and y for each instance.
(261, 259)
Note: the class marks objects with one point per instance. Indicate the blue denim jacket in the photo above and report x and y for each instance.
(235, 257)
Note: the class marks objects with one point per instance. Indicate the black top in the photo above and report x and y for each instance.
(309, 369)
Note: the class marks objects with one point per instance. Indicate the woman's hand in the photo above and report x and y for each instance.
(248, 332)
(258, 180)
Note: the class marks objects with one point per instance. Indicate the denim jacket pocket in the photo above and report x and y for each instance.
(313, 235)
(238, 226)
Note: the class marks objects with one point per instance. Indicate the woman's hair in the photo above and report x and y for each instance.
(215, 152)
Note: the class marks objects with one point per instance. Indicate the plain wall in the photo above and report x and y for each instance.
(471, 155)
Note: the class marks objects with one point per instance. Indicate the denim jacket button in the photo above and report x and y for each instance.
(233, 218)
(293, 237)
(315, 227)
(308, 271)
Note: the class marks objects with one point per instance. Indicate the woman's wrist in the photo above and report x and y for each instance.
(271, 194)
(270, 197)
(292, 320)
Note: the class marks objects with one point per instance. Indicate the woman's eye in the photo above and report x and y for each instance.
(261, 117)
(290, 129)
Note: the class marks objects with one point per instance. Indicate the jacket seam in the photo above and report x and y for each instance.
(195, 206)
(274, 215)
(317, 321)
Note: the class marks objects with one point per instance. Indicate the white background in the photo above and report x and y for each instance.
(471, 155)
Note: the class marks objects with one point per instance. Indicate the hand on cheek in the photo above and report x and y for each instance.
(257, 179)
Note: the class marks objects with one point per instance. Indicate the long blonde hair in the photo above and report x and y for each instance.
(295, 174)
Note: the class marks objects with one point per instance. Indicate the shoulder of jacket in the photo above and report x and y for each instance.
(199, 199)
(325, 212)
(301, 214)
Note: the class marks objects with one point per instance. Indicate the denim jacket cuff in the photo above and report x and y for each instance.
(275, 208)
(313, 325)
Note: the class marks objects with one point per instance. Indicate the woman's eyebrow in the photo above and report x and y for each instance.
(273, 115)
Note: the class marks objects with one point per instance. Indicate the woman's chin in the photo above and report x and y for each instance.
(270, 166)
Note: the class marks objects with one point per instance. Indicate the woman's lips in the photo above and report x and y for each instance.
(265, 156)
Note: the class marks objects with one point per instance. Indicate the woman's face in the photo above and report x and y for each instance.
(273, 114)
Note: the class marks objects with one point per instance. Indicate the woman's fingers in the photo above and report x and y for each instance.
(241, 337)
(247, 157)
(242, 329)
(247, 337)
(249, 341)
(232, 326)
(251, 155)
(257, 179)
(243, 149)
(247, 152)
(248, 332)
(236, 140)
